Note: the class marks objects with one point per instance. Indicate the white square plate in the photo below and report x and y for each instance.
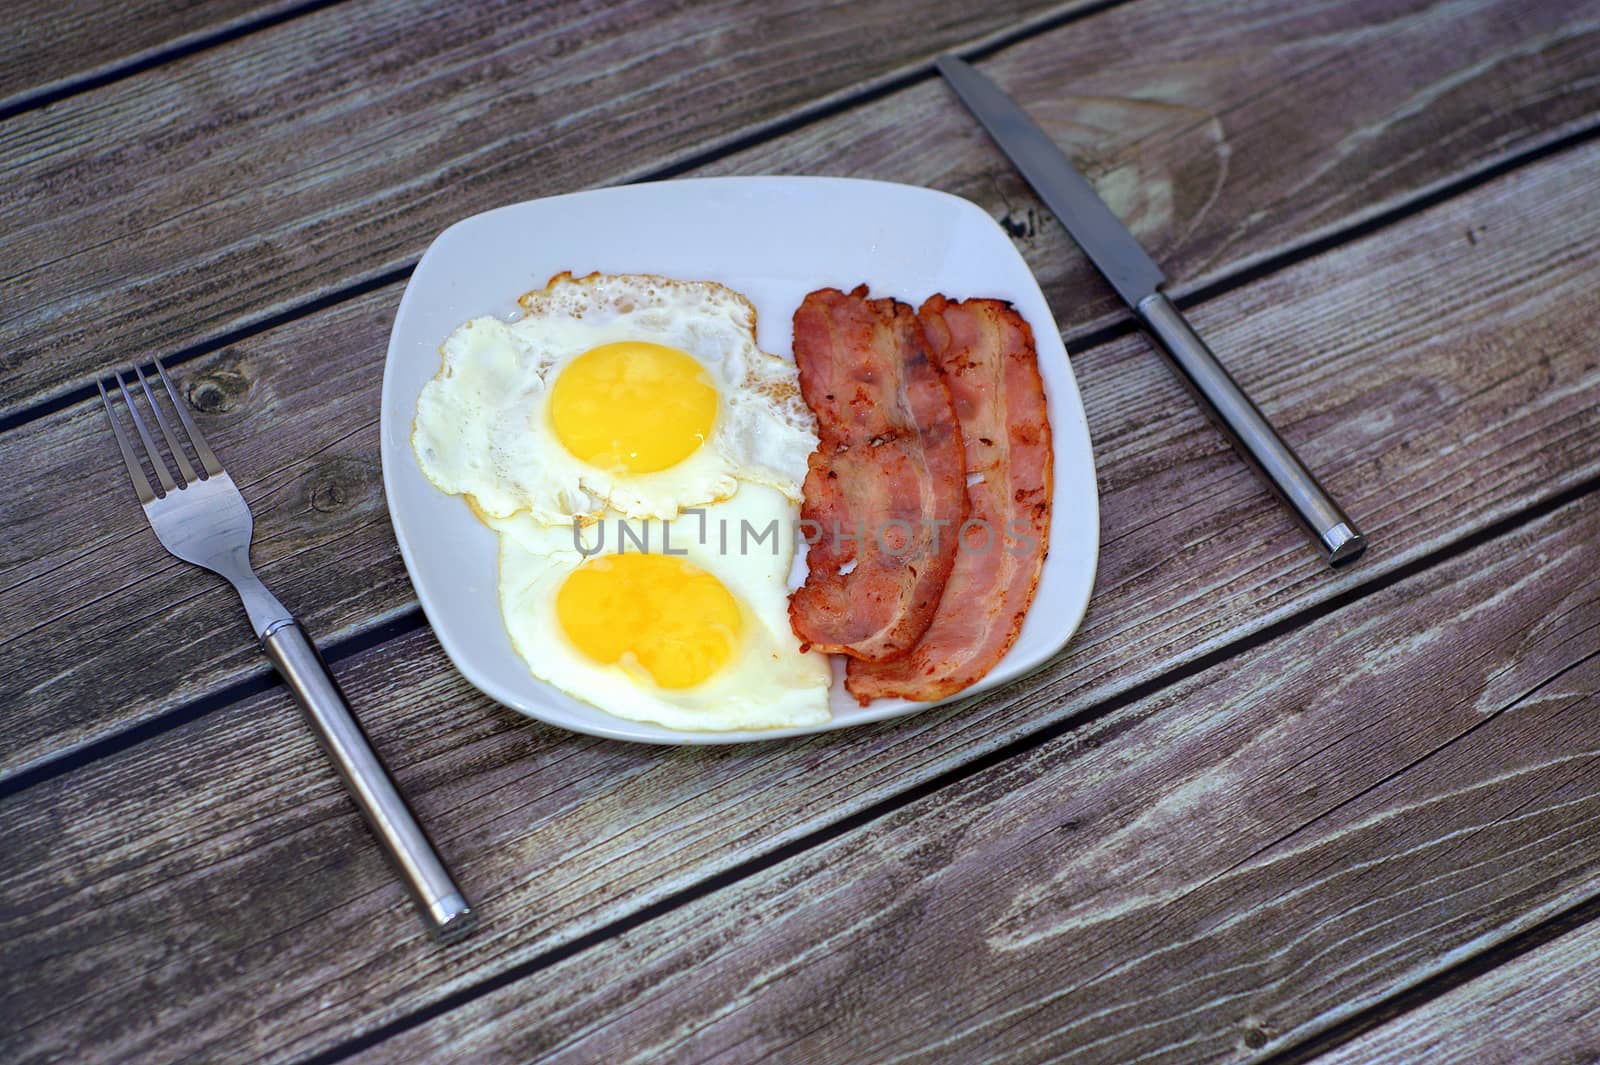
(774, 239)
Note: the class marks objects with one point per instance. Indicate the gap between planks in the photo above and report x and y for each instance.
(1553, 962)
(1584, 915)
(118, 70)
(407, 621)
(183, 47)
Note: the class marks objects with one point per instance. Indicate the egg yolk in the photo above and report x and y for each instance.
(633, 406)
(675, 620)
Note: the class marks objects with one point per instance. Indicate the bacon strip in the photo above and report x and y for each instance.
(986, 353)
(885, 488)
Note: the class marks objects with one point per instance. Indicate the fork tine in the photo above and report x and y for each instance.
(141, 483)
(144, 434)
(166, 431)
(207, 459)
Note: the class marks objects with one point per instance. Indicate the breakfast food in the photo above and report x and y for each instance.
(985, 351)
(694, 641)
(614, 400)
(650, 471)
(885, 491)
(627, 392)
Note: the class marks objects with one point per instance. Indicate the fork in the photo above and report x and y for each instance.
(203, 519)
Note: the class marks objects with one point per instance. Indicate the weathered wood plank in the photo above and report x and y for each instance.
(1352, 379)
(1202, 876)
(216, 190)
(141, 866)
(1541, 1007)
(1224, 135)
(303, 445)
(47, 44)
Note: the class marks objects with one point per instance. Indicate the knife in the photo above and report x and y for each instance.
(1138, 280)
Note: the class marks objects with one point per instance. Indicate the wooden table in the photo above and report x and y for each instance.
(1257, 809)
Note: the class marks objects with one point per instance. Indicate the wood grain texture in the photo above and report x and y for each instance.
(143, 866)
(303, 446)
(1225, 133)
(49, 44)
(1543, 1007)
(1202, 876)
(1430, 416)
(213, 191)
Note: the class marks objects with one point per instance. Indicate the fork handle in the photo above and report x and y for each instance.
(444, 908)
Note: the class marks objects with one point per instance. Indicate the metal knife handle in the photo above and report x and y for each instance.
(1250, 432)
(444, 908)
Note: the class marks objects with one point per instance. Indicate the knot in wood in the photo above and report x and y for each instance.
(328, 496)
(218, 391)
(337, 486)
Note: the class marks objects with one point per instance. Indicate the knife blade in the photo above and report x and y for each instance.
(1138, 280)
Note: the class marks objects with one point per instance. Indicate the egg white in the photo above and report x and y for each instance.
(483, 427)
(770, 683)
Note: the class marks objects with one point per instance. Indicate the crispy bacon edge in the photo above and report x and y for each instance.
(985, 350)
(888, 470)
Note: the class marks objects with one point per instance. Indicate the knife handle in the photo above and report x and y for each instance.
(1251, 434)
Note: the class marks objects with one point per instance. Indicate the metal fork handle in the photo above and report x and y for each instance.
(444, 908)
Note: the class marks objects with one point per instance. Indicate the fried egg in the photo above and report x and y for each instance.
(683, 622)
(623, 392)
